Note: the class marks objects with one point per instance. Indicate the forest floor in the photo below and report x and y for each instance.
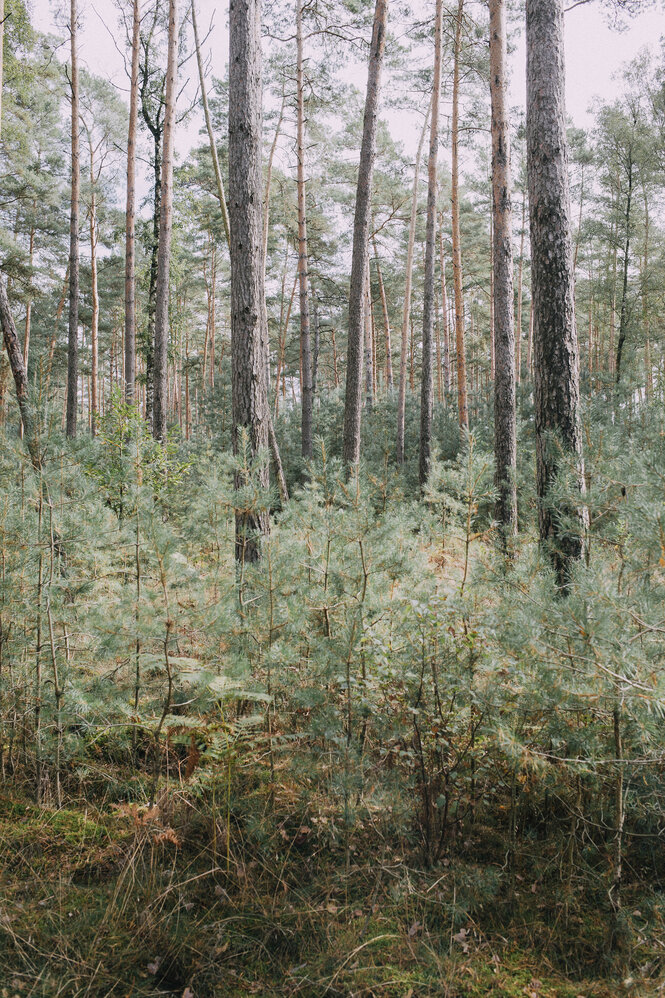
(125, 900)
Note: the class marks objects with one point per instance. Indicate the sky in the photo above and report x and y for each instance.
(594, 51)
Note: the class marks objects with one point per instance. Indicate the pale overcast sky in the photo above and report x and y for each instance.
(594, 52)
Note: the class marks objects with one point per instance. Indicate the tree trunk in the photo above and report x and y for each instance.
(248, 369)
(354, 356)
(130, 214)
(28, 307)
(369, 344)
(211, 137)
(20, 379)
(72, 348)
(556, 362)
(406, 312)
(386, 318)
(94, 323)
(2, 54)
(305, 340)
(648, 385)
(444, 311)
(266, 197)
(462, 399)
(160, 402)
(505, 443)
(518, 324)
(429, 304)
(623, 315)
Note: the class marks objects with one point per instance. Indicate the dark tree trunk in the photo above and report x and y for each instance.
(505, 444)
(248, 369)
(354, 352)
(556, 363)
(305, 336)
(623, 315)
(429, 303)
(462, 398)
(160, 401)
(72, 349)
(20, 378)
(130, 217)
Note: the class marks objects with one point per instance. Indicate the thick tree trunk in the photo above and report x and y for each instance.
(556, 361)
(505, 443)
(462, 399)
(160, 401)
(72, 348)
(354, 356)
(305, 338)
(248, 369)
(13, 349)
(429, 304)
(623, 315)
(406, 312)
(130, 213)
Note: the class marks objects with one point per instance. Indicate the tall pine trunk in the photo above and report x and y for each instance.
(130, 213)
(623, 315)
(305, 337)
(72, 348)
(429, 302)
(248, 369)
(406, 311)
(160, 401)
(354, 353)
(94, 322)
(556, 361)
(462, 399)
(505, 443)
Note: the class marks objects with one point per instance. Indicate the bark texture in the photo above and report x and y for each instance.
(72, 347)
(160, 401)
(248, 369)
(505, 443)
(13, 349)
(354, 353)
(556, 362)
(130, 213)
(429, 303)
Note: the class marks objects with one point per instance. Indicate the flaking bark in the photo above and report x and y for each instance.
(248, 369)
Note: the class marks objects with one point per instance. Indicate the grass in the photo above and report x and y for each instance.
(123, 900)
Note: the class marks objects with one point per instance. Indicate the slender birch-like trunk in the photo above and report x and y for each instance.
(353, 397)
(429, 303)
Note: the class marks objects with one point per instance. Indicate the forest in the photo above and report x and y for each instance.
(332, 521)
